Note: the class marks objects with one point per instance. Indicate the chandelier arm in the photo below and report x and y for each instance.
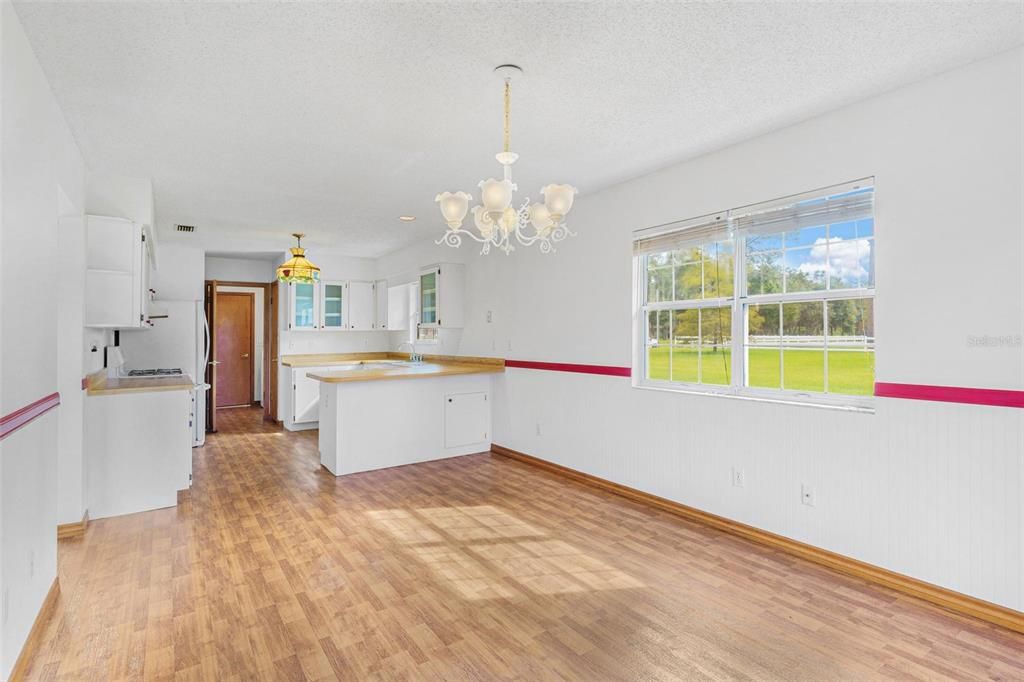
(451, 238)
(561, 232)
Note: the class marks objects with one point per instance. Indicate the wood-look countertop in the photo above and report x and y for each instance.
(99, 384)
(330, 359)
(420, 370)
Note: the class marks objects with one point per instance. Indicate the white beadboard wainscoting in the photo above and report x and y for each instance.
(930, 490)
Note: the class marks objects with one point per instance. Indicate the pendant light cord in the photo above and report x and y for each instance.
(508, 106)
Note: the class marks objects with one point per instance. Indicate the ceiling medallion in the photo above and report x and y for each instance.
(495, 219)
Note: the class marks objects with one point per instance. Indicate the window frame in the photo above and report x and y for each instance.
(739, 302)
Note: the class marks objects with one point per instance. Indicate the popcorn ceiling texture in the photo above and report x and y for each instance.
(255, 119)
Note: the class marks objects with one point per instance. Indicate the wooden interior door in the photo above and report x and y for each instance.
(210, 308)
(271, 325)
(233, 329)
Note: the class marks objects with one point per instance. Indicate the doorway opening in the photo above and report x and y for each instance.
(243, 347)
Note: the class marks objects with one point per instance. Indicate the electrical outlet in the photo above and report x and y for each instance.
(5, 606)
(31, 563)
(738, 478)
(538, 428)
(489, 317)
(807, 494)
(510, 344)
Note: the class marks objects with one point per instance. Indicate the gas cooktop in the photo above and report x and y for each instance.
(154, 372)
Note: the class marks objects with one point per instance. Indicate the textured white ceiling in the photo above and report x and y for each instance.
(261, 118)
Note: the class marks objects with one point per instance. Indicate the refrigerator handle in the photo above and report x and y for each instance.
(206, 328)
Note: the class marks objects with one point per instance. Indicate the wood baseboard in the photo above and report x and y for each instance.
(73, 530)
(35, 635)
(954, 601)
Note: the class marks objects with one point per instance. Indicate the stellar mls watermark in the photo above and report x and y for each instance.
(991, 341)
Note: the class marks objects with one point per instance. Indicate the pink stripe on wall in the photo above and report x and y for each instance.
(945, 394)
(605, 370)
(15, 420)
(951, 394)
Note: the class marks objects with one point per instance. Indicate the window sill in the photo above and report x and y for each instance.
(865, 406)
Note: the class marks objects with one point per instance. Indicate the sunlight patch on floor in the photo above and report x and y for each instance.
(483, 552)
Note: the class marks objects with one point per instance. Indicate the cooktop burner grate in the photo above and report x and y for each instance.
(154, 372)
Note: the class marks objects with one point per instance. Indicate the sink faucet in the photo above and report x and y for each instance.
(413, 355)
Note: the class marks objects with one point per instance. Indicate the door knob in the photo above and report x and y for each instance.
(245, 355)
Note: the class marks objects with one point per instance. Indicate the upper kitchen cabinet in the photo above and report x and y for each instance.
(303, 307)
(361, 312)
(380, 297)
(118, 261)
(335, 305)
(332, 305)
(396, 315)
(441, 293)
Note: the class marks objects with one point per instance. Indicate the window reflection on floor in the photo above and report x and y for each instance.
(483, 552)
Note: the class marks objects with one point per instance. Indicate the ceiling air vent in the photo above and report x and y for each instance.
(186, 228)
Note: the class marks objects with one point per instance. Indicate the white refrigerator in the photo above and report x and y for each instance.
(178, 338)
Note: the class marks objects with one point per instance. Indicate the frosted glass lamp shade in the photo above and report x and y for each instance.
(454, 206)
(495, 195)
(540, 218)
(558, 199)
(483, 222)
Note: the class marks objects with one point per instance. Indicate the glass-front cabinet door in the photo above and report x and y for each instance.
(303, 308)
(428, 298)
(334, 305)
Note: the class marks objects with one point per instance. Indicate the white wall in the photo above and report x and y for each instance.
(931, 490)
(71, 361)
(121, 197)
(38, 156)
(239, 269)
(179, 273)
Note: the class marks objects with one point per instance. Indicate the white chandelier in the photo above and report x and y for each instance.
(496, 220)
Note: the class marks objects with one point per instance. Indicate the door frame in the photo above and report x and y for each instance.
(271, 331)
(252, 339)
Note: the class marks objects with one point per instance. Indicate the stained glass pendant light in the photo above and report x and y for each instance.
(298, 269)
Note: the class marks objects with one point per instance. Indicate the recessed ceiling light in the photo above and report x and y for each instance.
(407, 218)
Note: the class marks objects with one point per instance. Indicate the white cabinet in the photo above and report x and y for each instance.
(380, 308)
(361, 312)
(441, 294)
(137, 449)
(332, 305)
(303, 307)
(117, 273)
(467, 419)
(305, 407)
(397, 314)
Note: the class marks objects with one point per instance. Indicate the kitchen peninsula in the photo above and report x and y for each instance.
(384, 412)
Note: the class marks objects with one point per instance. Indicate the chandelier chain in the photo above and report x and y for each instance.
(508, 106)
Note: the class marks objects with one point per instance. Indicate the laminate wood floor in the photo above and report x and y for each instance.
(473, 568)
